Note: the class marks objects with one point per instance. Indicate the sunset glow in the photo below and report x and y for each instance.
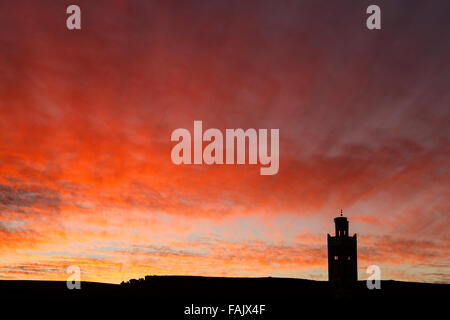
(86, 176)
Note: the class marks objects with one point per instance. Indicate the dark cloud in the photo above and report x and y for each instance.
(22, 198)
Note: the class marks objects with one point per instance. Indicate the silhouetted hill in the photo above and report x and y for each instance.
(54, 290)
(282, 296)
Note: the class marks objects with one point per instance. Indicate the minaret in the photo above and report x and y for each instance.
(342, 255)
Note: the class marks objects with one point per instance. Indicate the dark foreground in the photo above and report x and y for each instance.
(178, 297)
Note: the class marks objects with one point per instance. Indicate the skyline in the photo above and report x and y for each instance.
(86, 176)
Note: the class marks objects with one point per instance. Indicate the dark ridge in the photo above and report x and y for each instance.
(168, 297)
(219, 288)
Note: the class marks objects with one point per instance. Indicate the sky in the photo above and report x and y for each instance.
(86, 116)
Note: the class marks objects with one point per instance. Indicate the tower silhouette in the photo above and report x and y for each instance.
(342, 254)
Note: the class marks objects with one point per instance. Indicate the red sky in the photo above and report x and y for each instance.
(85, 121)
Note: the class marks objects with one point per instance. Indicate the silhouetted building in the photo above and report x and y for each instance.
(342, 254)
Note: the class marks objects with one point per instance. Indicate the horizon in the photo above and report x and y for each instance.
(86, 116)
(216, 277)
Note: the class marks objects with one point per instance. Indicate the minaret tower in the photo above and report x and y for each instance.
(342, 256)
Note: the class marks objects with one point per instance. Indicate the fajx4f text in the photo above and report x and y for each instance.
(246, 309)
